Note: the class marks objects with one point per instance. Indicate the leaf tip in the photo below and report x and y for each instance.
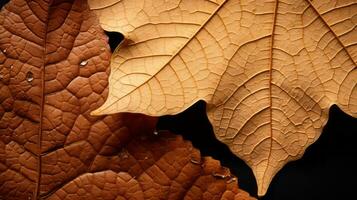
(262, 188)
(263, 174)
(261, 191)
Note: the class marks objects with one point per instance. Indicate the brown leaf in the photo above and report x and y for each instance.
(54, 65)
(154, 167)
(268, 70)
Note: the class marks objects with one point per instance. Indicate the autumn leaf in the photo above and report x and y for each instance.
(155, 167)
(54, 66)
(268, 70)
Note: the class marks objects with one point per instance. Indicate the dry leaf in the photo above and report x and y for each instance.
(154, 167)
(268, 70)
(54, 63)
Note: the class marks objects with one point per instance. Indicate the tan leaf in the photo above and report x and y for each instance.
(268, 70)
(54, 66)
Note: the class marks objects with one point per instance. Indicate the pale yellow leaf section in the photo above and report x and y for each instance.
(268, 70)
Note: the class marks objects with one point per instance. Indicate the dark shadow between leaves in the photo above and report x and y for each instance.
(114, 39)
(194, 125)
(3, 2)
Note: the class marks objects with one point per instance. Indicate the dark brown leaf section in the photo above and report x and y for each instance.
(154, 167)
(54, 66)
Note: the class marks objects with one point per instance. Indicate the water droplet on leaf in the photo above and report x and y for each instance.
(195, 161)
(29, 77)
(218, 175)
(83, 63)
(232, 179)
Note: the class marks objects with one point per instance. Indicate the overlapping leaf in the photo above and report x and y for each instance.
(268, 70)
(54, 66)
(154, 167)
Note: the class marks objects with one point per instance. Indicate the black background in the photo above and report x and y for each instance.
(328, 169)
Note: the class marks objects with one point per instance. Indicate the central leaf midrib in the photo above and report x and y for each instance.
(270, 86)
(37, 192)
